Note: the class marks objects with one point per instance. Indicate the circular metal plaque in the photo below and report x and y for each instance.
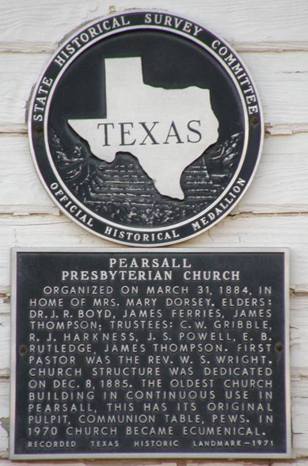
(145, 128)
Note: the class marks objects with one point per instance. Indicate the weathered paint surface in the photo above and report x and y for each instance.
(272, 38)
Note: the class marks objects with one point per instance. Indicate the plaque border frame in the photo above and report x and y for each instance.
(288, 454)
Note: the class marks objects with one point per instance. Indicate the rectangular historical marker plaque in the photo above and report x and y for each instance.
(160, 353)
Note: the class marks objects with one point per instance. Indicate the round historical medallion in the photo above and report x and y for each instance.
(145, 128)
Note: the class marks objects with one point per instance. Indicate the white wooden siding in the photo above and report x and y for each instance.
(272, 38)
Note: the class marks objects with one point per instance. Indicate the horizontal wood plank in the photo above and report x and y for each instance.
(108, 463)
(18, 170)
(298, 462)
(4, 345)
(5, 296)
(280, 79)
(239, 231)
(279, 185)
(4, 416)
(277, 24)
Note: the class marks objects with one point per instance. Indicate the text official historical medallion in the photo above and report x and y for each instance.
(145, 128)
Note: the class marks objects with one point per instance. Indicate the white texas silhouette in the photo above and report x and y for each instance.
(165, 129)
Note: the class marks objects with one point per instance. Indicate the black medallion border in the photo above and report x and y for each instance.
(132, 236)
